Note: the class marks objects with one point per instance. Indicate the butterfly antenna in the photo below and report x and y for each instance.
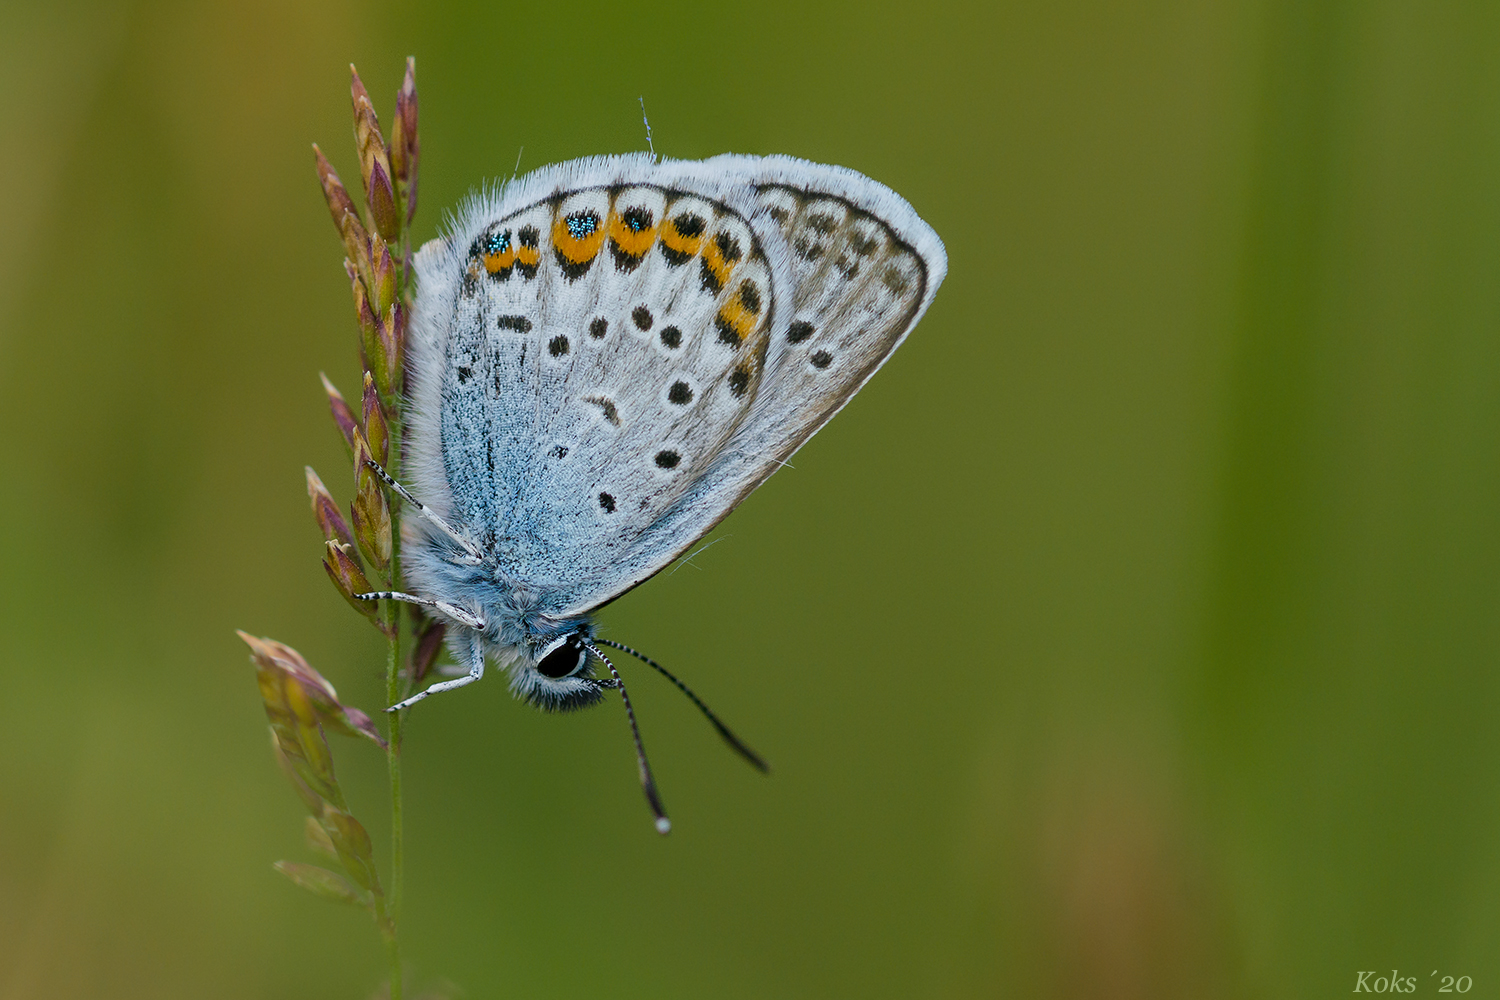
(648, 783)
(734, 741)
(647, 122)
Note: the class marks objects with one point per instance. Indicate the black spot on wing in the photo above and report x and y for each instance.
(636, 219)
(711, 283)
(727, 333)
(625, 262)
(572, 271)
(750, 297)
(863, 244)
(689, 225)
(530, 238)
(822, 223)
(893, 279)
(729, 247)
(738, 380)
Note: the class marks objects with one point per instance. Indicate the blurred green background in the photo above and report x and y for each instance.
(1132, 635)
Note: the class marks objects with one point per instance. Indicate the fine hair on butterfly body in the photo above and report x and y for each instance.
(606, 356)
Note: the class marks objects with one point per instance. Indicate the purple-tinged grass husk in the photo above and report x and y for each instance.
(387, 278)
(384, 211)
(280, 667)
(429, 643)
(330, 519)
(343, 414)
(341, 207)
(376, 431)
(349, 579)
(371, 512)
(405, 152)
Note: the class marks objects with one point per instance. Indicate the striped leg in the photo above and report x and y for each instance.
(453, 611)
(476, 671)
(425, 513)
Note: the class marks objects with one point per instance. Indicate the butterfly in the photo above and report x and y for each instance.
(606, 357)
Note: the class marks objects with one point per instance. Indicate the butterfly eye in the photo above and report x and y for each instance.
(563, 660)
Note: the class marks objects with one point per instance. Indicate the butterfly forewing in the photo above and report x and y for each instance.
(857, 289)
(862, 269)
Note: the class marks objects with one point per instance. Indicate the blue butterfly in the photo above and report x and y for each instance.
(606, 356)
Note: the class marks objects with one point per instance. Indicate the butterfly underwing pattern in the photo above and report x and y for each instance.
(606, 356)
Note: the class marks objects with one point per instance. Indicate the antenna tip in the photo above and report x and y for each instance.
(663, 825)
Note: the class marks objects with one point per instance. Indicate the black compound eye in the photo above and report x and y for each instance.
(567, 659)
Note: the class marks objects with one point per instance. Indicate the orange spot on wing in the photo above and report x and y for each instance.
(677, 242)
(632, 242)
(496, 262)
(734, 316)
(721, 267)
(576, 250)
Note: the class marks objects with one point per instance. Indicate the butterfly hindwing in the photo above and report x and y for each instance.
(603, 344)
(608, 355)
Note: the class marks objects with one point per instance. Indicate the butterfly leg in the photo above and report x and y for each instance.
(476, 671)
(453, 611)
(425, 513)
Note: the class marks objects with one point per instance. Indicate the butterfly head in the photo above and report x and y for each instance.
(556, 676)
